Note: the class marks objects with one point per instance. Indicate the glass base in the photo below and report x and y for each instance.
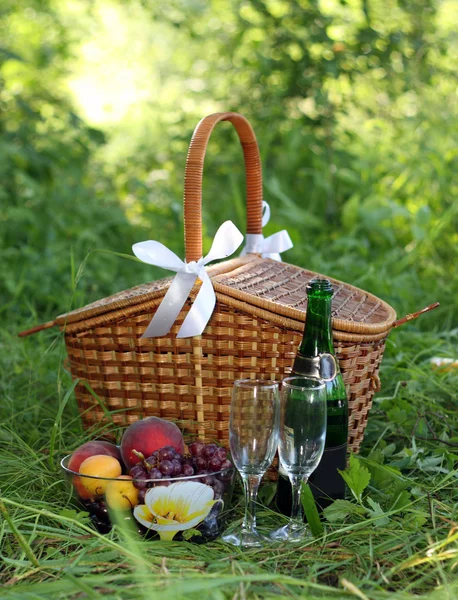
(244, 538)
(295, 532)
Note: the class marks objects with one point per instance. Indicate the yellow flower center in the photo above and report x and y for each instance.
(180, 507)
(172, 510)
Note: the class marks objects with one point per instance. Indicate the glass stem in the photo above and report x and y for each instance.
(296, 510)
(251, 486)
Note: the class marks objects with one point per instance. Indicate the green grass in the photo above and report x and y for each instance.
(359, 160)
(408, 548)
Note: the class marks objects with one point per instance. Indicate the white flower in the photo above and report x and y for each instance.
(179, 506)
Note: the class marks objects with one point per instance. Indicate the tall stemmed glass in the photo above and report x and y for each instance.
(253, 440)
(301, 442)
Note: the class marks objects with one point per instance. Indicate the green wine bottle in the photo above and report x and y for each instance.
(316, 358)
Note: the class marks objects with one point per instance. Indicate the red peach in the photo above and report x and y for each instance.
(85, 451)
(147, 436)
(90, 449)
(80, 489)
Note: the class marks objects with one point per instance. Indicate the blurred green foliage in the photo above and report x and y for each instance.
(354, 106)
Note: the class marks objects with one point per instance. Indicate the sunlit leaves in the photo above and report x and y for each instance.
(357, 477)
(340, 509)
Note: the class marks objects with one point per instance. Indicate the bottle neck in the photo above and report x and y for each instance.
(318, 331)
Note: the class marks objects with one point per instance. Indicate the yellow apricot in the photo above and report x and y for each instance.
(99, 465)
(121, 494)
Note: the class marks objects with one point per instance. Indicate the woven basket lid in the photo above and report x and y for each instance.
(275, 287)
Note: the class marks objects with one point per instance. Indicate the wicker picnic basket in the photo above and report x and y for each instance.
(254, 330)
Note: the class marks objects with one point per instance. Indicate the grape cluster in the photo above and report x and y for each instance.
(100, 518)
(165, 464)
(208, 458)
(98, 514)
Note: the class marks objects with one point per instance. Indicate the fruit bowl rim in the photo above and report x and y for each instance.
(66, 459)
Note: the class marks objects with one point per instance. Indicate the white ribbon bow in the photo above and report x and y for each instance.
(227, 239)
(271, 246)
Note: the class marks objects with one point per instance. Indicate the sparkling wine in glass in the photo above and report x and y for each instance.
(253, 440)
(301, 442)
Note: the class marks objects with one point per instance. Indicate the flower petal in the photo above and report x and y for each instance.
(144, 515)
(199, 496)
(159, 496)
(163, 521)
(180, 506)
(178, 499)
(203, 511)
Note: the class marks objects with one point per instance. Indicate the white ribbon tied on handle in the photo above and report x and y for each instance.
(271, 246)
(227, 239)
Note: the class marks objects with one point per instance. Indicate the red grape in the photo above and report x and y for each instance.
(221, 453)
(166, 467)
(139, 474)
(196, 448)
(151, 462)
(138, 471)
(155, 474)
(166, 453)
(188, 470)
(200, 462)
(176, 466)
(209, 450)
(214, 464)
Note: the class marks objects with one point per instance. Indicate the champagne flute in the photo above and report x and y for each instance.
(253, 440)
(301, 442)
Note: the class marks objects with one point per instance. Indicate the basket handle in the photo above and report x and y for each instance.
(193, 179)
(414, 315)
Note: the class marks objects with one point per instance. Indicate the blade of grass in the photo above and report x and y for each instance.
(18, 535)
(311, 511)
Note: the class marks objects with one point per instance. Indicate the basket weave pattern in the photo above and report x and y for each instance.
(190, 380)
(254, 331)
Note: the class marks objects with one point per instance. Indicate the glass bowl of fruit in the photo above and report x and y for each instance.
(165, 490)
